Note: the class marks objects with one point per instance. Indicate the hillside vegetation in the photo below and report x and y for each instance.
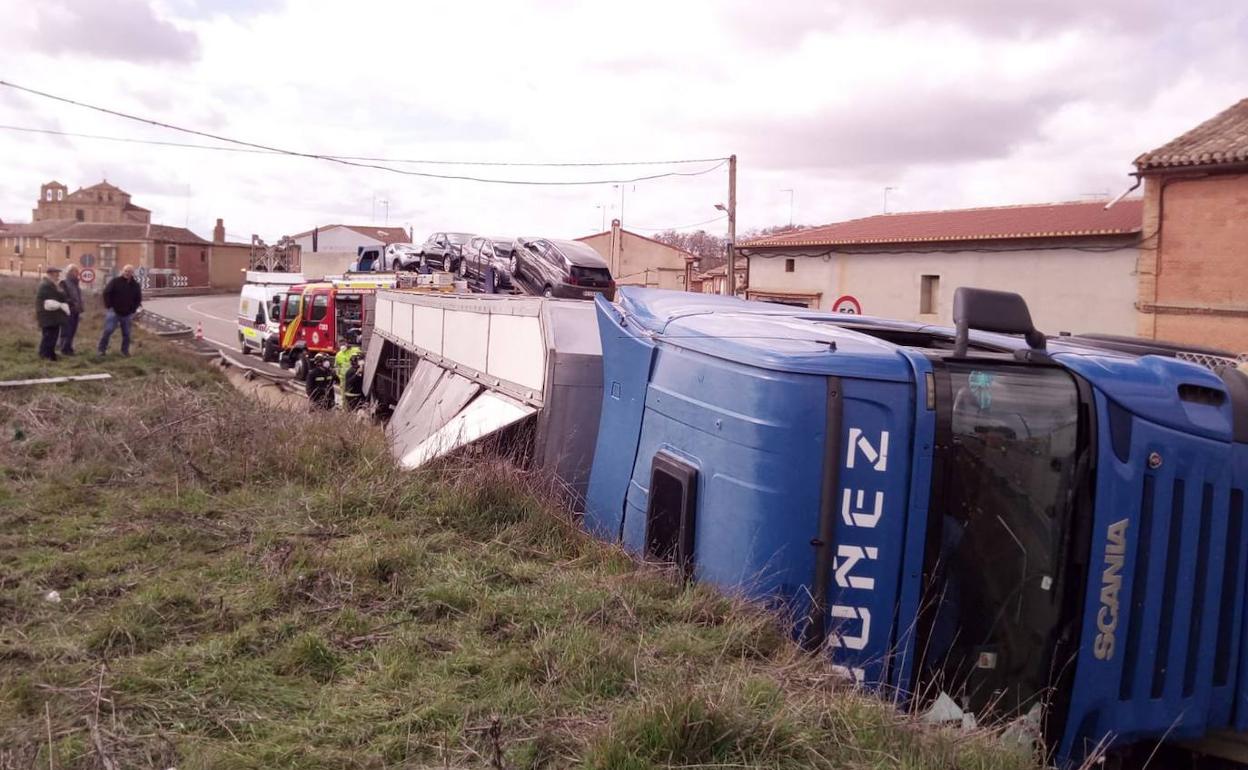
(238, 590)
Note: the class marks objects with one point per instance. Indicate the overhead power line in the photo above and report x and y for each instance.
(681, 227)
(413, 161)
(347, 161)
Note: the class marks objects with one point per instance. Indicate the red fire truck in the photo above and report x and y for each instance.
(314, 316)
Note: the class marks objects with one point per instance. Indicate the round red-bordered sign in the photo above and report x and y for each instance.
(86, 275)
(848, 304)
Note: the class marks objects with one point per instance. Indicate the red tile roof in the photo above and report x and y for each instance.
(42, 228)
(1221, 139)
(386, 235)
(92, 231)
(1044, 220)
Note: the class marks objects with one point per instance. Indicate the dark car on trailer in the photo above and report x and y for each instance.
(444, 250)
(557, 268)
(484, 252)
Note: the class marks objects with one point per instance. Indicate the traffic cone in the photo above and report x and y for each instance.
(199, 330)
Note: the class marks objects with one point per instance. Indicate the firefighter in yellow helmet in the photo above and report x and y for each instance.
(348, 348)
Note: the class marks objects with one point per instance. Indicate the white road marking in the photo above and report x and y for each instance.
(191, 307)
(233, 349)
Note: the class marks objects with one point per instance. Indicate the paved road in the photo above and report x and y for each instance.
(217, 312)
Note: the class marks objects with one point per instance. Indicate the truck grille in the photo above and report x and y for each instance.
(1184, 588)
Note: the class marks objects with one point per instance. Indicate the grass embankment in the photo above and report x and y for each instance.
(238, 591)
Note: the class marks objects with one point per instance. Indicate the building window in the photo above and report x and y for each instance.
(79, 215)
(108, 258)
(789, 265)
(67, 251)
(203, 255)
(60, 195)
(929, 294)
(47, 195)
(171, 256)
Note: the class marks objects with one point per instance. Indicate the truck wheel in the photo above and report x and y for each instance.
(243, 346)
(268, 353)
(301, 367)
(548, 292)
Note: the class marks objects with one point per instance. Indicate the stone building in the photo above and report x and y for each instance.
(101, 202)
(1193, 262)
(99, 228)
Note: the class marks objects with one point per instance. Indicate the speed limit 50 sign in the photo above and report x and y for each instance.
(847, 303)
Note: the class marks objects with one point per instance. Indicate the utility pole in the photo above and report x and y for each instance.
(731, 283)
(790, 192)
(887, 190)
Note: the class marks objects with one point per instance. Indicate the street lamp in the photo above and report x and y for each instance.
(790, 192)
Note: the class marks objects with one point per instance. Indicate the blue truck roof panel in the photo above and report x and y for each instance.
(758, 334)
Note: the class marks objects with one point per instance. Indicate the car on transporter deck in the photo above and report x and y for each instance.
(558, 268)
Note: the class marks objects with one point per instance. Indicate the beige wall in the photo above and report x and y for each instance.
(641, 261)
(1066, 289)
(227, 266)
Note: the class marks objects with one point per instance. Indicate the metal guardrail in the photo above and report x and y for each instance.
(163, 326)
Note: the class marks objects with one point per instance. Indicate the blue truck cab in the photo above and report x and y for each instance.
(1027, 525)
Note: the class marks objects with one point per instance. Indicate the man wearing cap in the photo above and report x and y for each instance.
(73, 295)
(51, 311)
(122, 298)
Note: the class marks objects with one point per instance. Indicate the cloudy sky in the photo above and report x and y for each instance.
(950, 102)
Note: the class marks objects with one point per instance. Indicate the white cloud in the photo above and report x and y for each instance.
(954, 103)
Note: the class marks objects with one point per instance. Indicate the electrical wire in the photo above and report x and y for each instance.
(680, 227)
(412, 161)
(354, 163)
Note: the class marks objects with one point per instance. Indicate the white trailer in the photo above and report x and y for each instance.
(456, 368)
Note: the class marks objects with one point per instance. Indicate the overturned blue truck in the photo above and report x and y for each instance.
(1013, 520)
(1026, 526)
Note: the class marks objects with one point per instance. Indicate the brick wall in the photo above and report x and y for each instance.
(1193, 271)
(191, 260)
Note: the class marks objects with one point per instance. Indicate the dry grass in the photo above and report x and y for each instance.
(243, 591)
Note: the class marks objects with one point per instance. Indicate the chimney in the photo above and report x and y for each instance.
(218, 232)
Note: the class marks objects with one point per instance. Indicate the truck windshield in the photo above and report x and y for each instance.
(1008, 447)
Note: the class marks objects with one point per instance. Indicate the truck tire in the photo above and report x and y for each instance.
(244, 348)
(268, 352)
(301, 367)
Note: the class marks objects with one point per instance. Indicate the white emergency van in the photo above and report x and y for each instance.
(257, 321)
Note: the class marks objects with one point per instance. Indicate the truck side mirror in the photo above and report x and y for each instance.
(992, 311)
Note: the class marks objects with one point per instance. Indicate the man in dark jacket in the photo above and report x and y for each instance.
(122, 299)
(73, 296)
(51, 310)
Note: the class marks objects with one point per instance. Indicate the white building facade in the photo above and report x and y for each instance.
(1075, 264)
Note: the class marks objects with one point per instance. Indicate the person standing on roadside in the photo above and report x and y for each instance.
(122, 299)
(73, 296)
(51, 311)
